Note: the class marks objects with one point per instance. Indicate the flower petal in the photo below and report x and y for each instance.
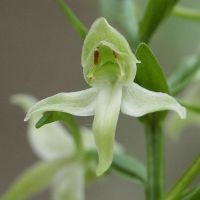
(80, 103)
(69, 183)
(102, 33)
(104, 125)
(89, 142)
(23, 100)
(48, 142)
(138, 101)
(33, 180)
(88, 139)
(51, 142)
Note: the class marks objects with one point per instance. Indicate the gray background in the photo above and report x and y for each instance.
(40, 55)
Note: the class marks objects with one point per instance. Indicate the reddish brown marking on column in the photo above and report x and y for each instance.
(115, 54)
(96, 56)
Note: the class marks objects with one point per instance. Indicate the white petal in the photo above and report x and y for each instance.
(48, 142)
(104, 125)
(88, 139)
(69, 183)
(138, 101)
(23, 100)
(80, 103)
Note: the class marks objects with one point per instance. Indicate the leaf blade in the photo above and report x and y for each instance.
(183, 73)
(72, 18)
(128, 18)
(129, 167)
(156, 81)
(155, 13)
(187, 178)
(192, 194)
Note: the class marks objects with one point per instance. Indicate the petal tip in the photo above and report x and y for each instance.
(103, 165)
(102, 20)
(101, 169)
(27, 117)
(182, 112)
(99, 172)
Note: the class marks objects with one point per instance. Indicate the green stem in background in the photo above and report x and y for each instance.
(191, 107)
(154, 14)
(187, 13)
(190, 174)
(128, 18)
(129, 167)
(155, 162)
(192, 194)
(71, 17)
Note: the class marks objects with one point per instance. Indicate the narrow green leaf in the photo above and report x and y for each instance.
(187, 13)
(183, 73)
(124, 165)
(191, 107)
(127, 19)
(156, 11)
(150, 75)
(149, 71)
(69, 121)
(188, 177)
(34, 180)
(71, 17)
(192, 194)
(129, 168)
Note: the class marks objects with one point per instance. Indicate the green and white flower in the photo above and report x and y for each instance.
(53, 144)
(109, 67)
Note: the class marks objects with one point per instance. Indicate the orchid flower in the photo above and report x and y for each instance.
(52, 143)
(109, 67)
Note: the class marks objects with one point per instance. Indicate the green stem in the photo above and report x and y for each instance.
(193, 108)
(155, 12)
(190, 174)
(155, 162)
(192, 194)
(129, 167)
(71, 17)
(187, 13)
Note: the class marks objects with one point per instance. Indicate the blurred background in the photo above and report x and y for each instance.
(40, 55)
